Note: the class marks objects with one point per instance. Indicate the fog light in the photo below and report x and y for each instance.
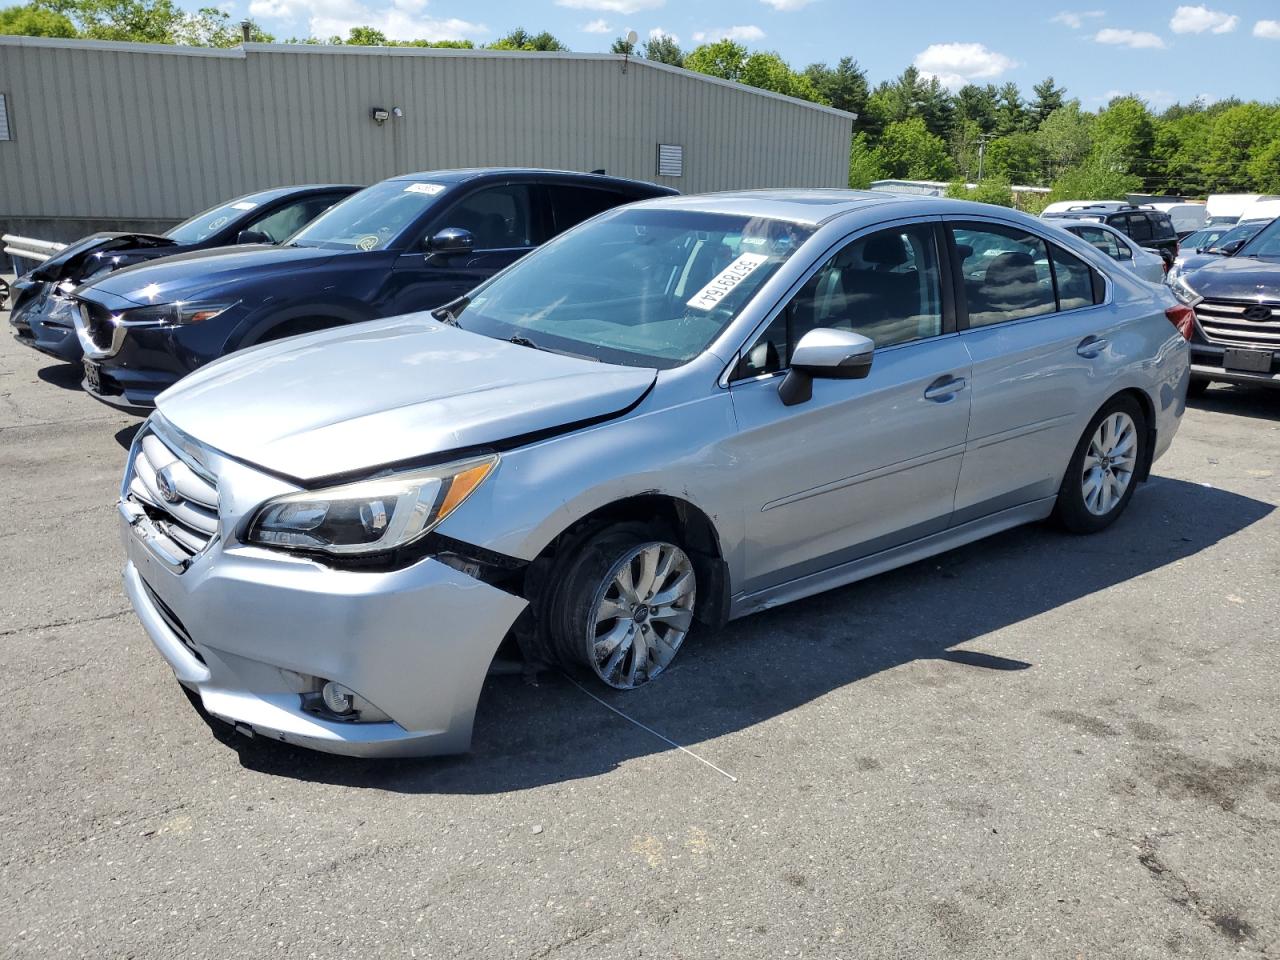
(336, 697)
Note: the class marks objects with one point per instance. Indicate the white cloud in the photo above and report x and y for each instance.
(1075, 19)
(786, 6)
(955, 64)
(623, 7)
(1267, 29)
(402, 20)
(1199, 19)
(1137, 39)
(657, 33)
(745, 33)
(597, 26)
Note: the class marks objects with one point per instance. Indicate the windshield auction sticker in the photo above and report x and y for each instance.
(732, 275)
(430, 189)
(244, 205)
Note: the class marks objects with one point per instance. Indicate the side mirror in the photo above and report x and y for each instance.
(1230, 249)
(825, 354)
(450, 240)
(252, 236)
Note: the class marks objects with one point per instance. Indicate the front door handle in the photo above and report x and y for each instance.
(1091, 347)
(944, 388)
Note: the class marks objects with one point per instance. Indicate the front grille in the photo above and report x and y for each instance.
(1224, 321)
(97, 324)
(180, 499)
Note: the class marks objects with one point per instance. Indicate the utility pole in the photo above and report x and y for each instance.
(982, 150)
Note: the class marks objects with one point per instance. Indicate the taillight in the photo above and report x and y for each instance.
(1182, 317)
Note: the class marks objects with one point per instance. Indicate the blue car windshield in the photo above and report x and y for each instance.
(372, 219)
(1244, 231)
(204, 225)
(1265, 244)
(641, 287)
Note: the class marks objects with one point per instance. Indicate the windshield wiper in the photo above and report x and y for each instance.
(520, 341)
(448, 314)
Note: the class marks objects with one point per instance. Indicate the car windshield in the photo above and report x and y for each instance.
(372, 219)
(204, 225)
(1199, 239)
(1265, 244)
(641, 287)
(1244, 231)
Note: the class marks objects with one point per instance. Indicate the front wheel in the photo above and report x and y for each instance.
(1103, 472)
(1197, 387)
(626, 606)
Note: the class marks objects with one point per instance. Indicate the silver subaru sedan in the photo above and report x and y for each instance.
(675, 414)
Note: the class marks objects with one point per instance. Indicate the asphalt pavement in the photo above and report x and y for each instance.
(1036, 746)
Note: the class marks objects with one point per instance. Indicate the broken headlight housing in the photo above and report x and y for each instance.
(370, 516)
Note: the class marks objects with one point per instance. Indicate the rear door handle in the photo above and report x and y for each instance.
(1091, 347)
(944, 388)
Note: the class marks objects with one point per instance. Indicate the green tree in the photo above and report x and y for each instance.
(622, 45)
(1048, 98)
(1013, 159)
(1239, 133)
(769, 71)
(866, 165)
(664, 49)
(1264, 168)
(978, 104)
(522, 39)
(911, 152)
(35, 21)
(1094, 180)
(844, 86)
(966, 136)
(991, 190)
(1011, 112)
(1124, 136)
(1063, 140)
(723, 59)
(366, 37)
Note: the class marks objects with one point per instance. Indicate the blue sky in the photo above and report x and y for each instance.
(1163, 51)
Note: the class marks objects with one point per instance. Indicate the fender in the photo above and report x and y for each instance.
(258, 325)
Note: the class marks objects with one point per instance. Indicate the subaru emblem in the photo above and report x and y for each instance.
(164, 481)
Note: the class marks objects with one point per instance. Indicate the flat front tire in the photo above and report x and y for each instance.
(1103, 472)
(625, 606)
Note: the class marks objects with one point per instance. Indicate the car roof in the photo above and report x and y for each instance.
(275, 193)
(462, 175)
(809, 206)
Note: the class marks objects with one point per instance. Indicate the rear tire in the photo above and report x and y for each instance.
(624, 605)
(1197, 388)
(1103, 472)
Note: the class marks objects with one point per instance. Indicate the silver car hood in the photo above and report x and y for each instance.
(356, 398)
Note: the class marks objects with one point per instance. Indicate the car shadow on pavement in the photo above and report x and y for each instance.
(765, 665)
(68, 376)
(1260, 403)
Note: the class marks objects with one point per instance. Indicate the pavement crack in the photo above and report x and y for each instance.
(1178, 890)
(68, 622)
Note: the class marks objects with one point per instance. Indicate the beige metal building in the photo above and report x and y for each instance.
(120, 135)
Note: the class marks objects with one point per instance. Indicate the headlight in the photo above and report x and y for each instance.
(1183, 290)
(371, 516)
(168, 314)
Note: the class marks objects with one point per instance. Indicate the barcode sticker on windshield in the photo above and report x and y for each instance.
(243, 205)
(732, 275)
(430, 189)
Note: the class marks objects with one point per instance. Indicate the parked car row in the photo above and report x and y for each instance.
(679, 412)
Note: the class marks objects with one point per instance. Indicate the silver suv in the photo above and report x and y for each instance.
(678, 413)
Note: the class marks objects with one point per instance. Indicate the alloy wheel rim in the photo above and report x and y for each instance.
(641, 614)
(1109, 463)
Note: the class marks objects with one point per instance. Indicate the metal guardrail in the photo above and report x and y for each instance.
(28, 248)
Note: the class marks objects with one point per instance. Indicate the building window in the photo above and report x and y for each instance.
(670, 160)
(4, 118)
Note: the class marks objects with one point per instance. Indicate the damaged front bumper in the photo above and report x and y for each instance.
(254, 634)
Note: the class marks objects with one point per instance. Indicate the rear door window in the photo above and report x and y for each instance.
(1104, 240)
(1005, 271)
(1139, 227)
(1163, 227)
(1076, 286)
(571, 205)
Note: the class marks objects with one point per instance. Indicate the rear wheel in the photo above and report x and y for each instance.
(1103, 472)
(625, 605)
